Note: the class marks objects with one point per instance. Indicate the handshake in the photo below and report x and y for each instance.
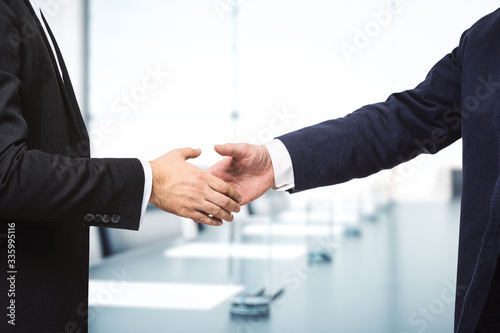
(213, 195)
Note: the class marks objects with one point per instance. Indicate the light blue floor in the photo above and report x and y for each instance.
(397, 276)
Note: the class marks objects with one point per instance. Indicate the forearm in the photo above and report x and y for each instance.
(44, 187)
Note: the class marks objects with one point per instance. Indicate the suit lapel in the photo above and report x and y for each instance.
(65, 86)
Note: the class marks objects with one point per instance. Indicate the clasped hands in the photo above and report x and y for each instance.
(211, 196)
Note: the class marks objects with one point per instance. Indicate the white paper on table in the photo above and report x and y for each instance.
(244, 251)
(159, 295)
(293, 230)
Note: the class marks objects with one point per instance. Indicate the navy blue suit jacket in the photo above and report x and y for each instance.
(460, 98)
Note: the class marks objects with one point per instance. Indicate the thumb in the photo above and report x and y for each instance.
(188, 153)
(232, 149)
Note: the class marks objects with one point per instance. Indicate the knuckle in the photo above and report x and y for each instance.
(226, 188)
(184, 211)
(226, 201)
(218, 211)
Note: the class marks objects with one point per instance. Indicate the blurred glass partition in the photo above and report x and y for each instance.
(160, 77)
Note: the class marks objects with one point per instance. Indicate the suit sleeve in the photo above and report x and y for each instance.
(380, 136)
(38, 186)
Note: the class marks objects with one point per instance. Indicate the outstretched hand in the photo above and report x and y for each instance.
(182, 189)
(248, 168)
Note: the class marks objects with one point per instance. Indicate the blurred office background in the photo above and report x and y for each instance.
(152, 76)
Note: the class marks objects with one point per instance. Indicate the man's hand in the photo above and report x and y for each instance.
(248, 168)
(182, 189)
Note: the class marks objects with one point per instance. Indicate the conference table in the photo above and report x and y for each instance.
(395, 274)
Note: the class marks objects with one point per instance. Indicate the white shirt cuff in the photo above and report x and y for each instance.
(282, 165)
(148, 186)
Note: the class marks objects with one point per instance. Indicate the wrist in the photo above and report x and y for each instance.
(154, 171)
(269, 170)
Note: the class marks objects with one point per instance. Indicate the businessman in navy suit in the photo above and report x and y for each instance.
(51, 191)
(459, 98)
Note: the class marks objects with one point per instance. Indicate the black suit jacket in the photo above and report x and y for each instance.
(460, 98)
(51, 192)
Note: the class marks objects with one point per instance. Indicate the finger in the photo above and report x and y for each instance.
(224, 202)
(217, 212)
(236, 150)
(188, 153)
(222, 187)
(201, 217)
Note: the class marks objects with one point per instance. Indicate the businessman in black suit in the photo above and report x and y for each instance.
(460, 98)
(51, 191)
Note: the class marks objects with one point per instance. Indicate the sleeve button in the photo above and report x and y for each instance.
(89, 217)
(115, 218)
(106, 218)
